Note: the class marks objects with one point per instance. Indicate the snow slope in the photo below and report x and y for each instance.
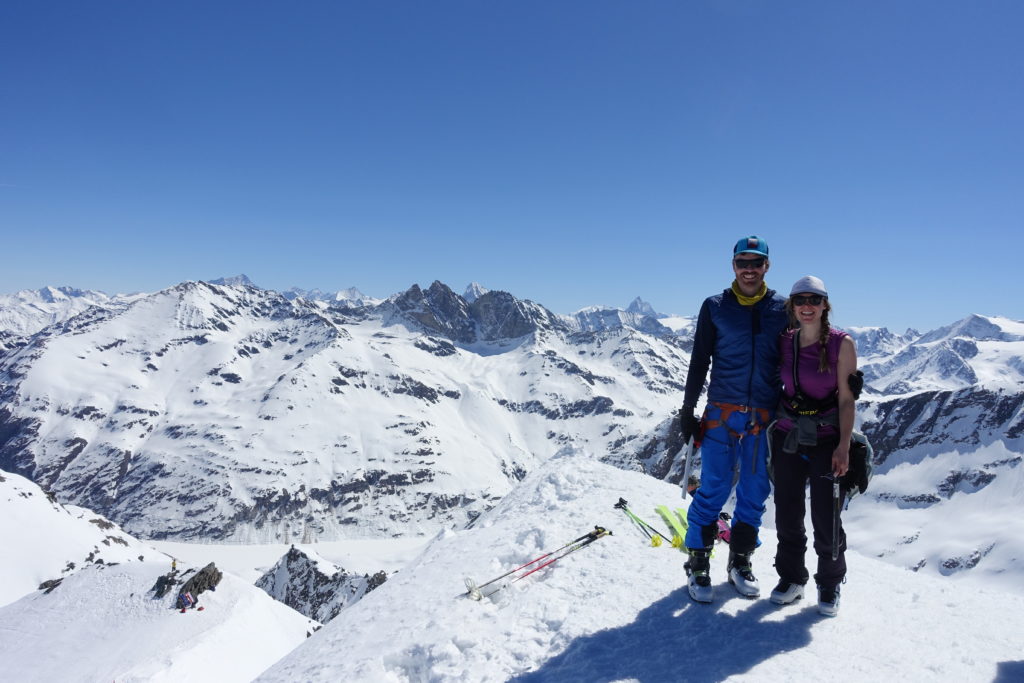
(618, 609)
(44, 540)
(103, 623)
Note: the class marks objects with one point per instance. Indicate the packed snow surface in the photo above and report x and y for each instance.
(103, 623)
(618, 610)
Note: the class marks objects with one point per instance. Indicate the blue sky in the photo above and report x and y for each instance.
(573, 153)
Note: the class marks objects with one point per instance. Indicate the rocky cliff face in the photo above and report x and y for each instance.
(963, 419)
(315, 587)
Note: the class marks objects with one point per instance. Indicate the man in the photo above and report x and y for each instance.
(738, 337)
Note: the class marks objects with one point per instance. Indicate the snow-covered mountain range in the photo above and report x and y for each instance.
(231, 412)
(26, 312)
(225, 412)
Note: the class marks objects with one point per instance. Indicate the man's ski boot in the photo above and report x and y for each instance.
(698, 572)
(741, 575)
(742, 542)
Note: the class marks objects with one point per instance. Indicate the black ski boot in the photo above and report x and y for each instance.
(698, 572)
(698, 567)
(742, 542)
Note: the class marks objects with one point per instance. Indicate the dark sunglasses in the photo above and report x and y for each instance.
(749, 263)
(812, 299)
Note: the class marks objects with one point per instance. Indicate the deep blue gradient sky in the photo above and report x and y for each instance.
(573, 153)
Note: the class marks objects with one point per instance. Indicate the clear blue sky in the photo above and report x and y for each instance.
(573, 153)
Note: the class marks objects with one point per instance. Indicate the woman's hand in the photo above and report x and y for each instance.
(841, 459)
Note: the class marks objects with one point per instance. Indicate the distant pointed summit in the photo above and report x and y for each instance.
(240, 279)
(640, 306)
(474, 291)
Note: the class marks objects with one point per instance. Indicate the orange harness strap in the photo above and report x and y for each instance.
(759, 418)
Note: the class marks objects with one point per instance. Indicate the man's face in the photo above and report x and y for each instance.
(750, 270)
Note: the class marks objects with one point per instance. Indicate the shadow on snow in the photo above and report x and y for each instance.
(676, 639)
(1009, 671)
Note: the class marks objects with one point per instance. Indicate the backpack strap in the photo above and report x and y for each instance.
(801, 404)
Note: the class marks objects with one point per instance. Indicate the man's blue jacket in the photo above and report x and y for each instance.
(741, 344)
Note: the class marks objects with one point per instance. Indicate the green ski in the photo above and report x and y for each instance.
(682, 516)
(673, 521)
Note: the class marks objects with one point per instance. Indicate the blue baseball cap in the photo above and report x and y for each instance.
(751, 245)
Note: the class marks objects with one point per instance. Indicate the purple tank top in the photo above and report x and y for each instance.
(813, 384)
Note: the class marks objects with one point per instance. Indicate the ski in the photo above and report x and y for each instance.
(682, 518)
(673, 521)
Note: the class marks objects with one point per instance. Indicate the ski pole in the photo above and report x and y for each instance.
(688, 468)
(837, 503)
(533, 561)
(579, 544)
(649, 530)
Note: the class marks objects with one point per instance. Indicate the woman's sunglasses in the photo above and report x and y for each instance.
(812, 299)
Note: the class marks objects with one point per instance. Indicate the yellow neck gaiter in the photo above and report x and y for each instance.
(749, 300)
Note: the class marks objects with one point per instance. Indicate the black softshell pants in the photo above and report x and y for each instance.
(792, 473)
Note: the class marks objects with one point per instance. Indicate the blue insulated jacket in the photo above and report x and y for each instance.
(741, 345)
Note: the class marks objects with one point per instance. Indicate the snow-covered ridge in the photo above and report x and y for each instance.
(45, 541)
(975, 351)
(81, 600)
(618, 609)
(104, 623)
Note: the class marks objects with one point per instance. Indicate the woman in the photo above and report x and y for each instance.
(811, 443)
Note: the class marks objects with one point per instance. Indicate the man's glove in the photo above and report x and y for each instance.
(856, 382)
(688, 423)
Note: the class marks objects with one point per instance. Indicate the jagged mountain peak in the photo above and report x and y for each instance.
(640, 306)
(314, 586)
(493, 316)
(438, 309)
(596, 319)
(474, 290)
(875, 341)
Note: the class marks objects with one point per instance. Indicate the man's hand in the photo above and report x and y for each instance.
(688, 423)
